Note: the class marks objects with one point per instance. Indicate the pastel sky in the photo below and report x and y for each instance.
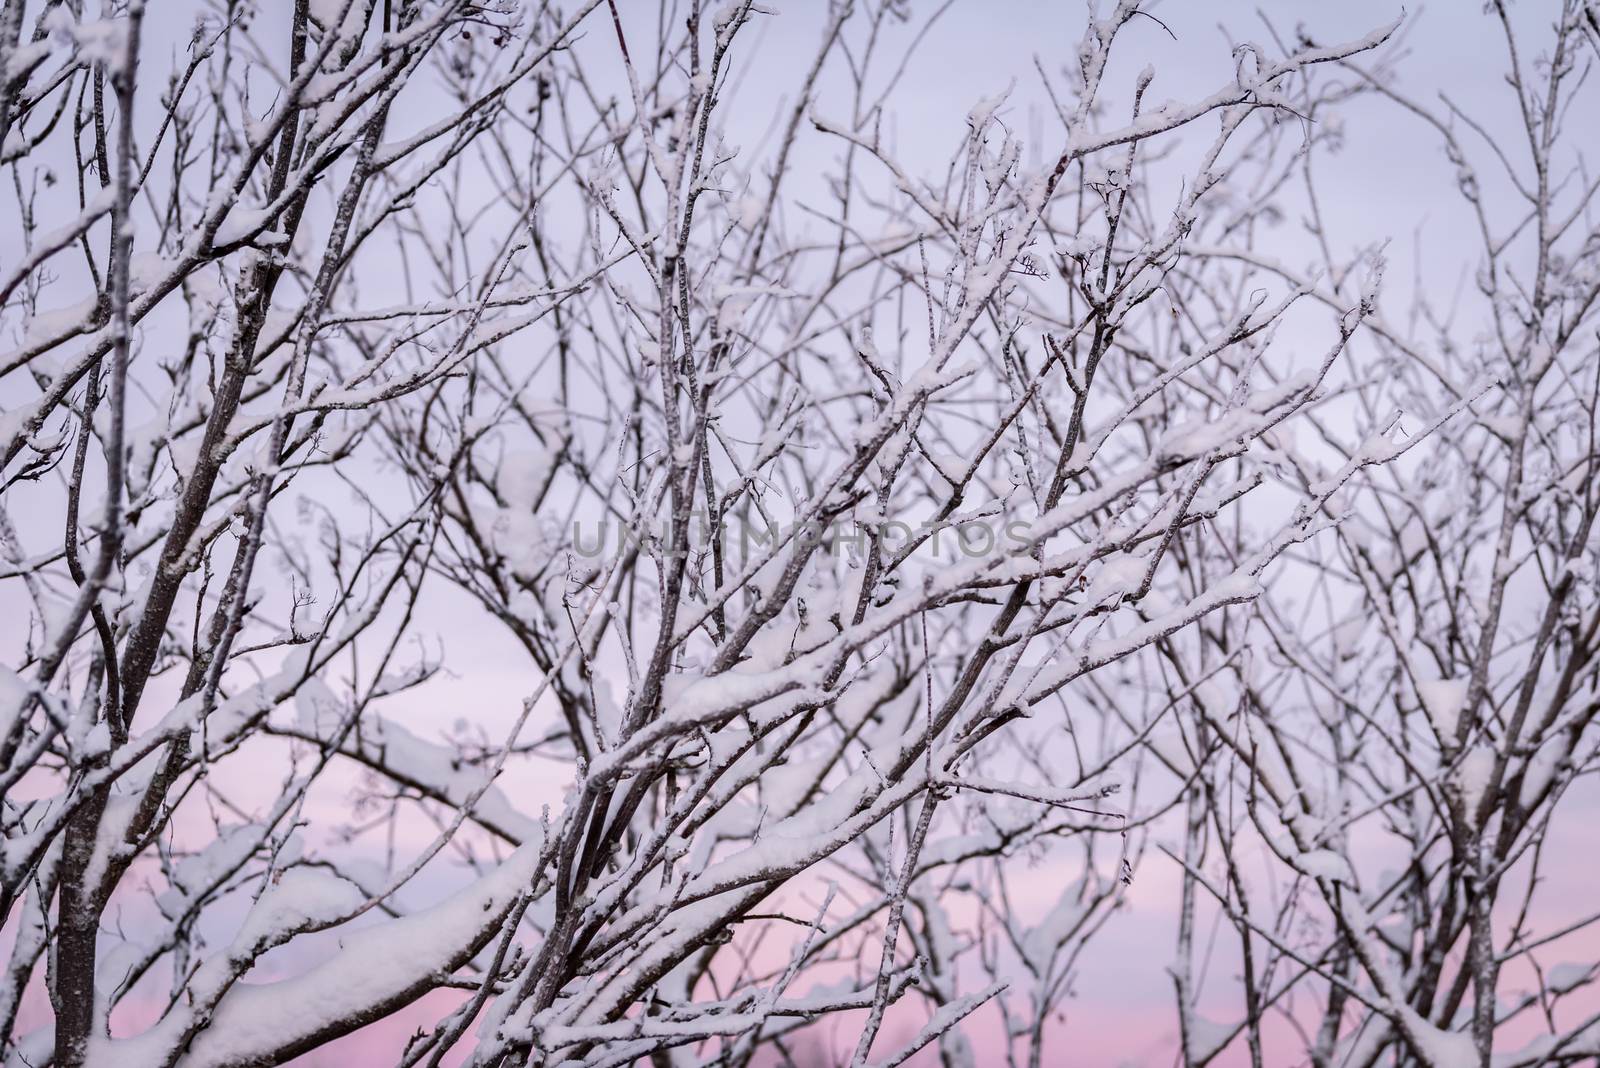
(1390, 183)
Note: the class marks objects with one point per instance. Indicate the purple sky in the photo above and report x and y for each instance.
(1390, 183)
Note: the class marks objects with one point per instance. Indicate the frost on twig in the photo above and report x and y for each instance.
(493, 539)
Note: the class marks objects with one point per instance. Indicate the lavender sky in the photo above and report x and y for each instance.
(1390, 184)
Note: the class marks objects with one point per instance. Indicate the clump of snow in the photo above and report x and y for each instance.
(1200, 436)
(1542, 768)
(300, 899)
(1442, 699)
(1472, 776)
(1443, 1049)
(1206, 1037)
(195, 875)
(240, 223)
(733, 301)
(1042, 941)
(952, 467)
(343, 17)
(14, 692)
(747, 211)
(1565, 978)
(1121, 573)
(522, 539)
(985, 108)
(58, 323)
(316, 706)
(1326, 864)
(522, 476)
(374, 965)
